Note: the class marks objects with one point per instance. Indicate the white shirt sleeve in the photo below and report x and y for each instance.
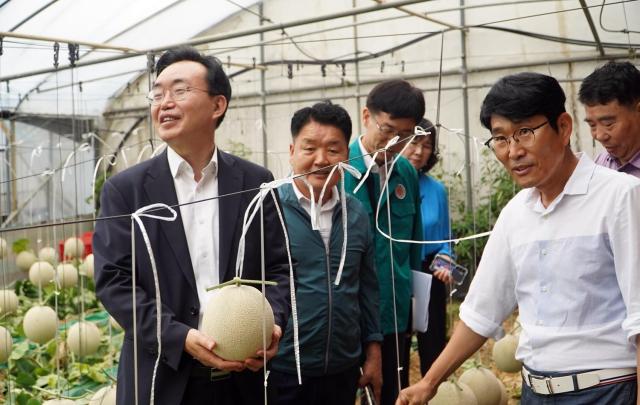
(624, 236)
(491, 298)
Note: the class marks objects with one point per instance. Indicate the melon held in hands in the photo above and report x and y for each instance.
(234, 318)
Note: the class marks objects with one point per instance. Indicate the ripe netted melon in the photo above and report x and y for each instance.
(39, 324)
(6, 344)
(25, 259)
(83, 338)
(73, 247)
(41, 273)
(234, 318)
(450, 393)
(104, 396)
(67, 275)
(504, 354)
(483, 384)
(48, 254)
(8, 302)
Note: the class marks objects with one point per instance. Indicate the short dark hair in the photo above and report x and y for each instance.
(523, 95)
(217, 81)
(612, 81)
(430, 129)
(398, 98)
(325, 113)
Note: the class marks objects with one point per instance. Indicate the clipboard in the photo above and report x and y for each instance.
(420, 300)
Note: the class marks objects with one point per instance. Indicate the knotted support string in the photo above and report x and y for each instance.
(136, 216)
(389, 144)
(254, 206)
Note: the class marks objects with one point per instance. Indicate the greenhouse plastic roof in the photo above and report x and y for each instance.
(139, 25)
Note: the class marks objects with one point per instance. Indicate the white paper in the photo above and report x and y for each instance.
(420, 300)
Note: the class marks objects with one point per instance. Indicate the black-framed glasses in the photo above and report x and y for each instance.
(389, 132)
(179, 93)
(522, 136)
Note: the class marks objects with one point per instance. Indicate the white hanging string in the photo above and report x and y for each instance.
(142, 212)
(254, 206)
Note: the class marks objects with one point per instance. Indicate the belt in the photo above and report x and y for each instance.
(213, 374)
(547, 385)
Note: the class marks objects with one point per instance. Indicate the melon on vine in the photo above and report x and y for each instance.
(454, 393)
(6, 344)
(25, 259)
(504, 354)
(48, 254)
(484, 385)
(40, 324)
(234, 318)
(8, 302)
(60, 401)
(83, 338)
(86, 267)
(67, 275)
(73, 248)
(41, 273)
(104, 396)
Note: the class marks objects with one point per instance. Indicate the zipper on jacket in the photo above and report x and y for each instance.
(328, 261)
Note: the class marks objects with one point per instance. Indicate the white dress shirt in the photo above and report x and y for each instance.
(200, 220)
(572, 268)
(326, 212)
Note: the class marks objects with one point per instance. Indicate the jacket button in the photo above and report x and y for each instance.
(194, 311)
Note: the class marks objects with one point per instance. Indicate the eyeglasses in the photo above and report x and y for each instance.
(389, 132)
(156, 96)
(522, 136)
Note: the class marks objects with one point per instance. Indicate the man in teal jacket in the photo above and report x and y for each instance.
(393, 108)
(339, 325)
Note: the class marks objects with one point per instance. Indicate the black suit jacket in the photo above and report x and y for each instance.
(151, 182)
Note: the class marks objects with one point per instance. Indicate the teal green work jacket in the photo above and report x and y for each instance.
(406, 223)
(335, 322)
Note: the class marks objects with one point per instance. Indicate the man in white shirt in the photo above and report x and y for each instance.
(564, 251)
(198, 250)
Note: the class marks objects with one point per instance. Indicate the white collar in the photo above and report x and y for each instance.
(177, 163)
(331, 202)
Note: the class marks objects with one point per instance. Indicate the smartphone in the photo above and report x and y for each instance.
(367, 394)
(458, 272)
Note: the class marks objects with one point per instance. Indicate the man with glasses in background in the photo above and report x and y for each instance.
(564, 251)
(393, 109)
(196, 251)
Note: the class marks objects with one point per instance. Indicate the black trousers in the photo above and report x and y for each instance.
(390, 388)
(432, 342)
(245, 388)
(338, 389)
